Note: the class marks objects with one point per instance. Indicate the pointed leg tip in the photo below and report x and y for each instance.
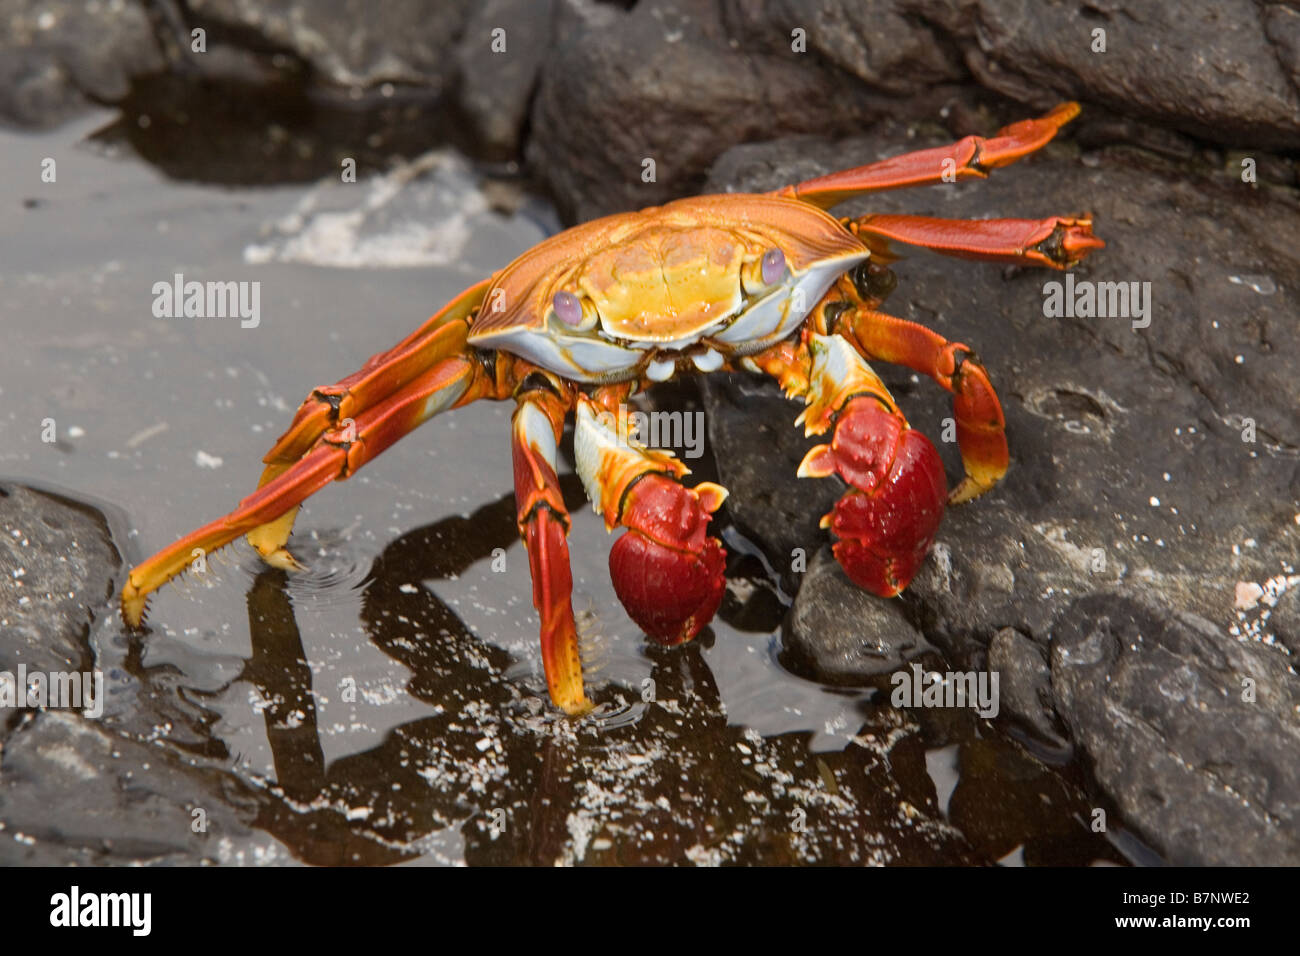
(967, 490)
(282, 559)
(133, 607)
(579, 707)
(1062, 113)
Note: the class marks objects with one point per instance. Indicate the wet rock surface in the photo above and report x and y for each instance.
(1163, 457)
(837, 632)
(1191, 732)
(72, 791)
(57, 567)
(1025, 686)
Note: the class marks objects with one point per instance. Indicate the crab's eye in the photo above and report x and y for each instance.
(874, 282)
(773, 267)
(567, 308)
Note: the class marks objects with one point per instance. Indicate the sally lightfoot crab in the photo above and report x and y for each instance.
(769, 283)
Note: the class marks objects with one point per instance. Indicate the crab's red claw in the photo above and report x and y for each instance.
(887, 521)
(667, 571)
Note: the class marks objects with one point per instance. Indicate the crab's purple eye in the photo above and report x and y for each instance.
(773, 267)
(567, 308)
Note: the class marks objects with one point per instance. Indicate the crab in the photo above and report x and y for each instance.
(769, 283)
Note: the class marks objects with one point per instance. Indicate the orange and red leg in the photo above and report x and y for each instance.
(885, 523)
(336, 431)
(536, 428)
(666, 569)
(968, 158)
(1057, 241)
(336, 454)
(335, 407)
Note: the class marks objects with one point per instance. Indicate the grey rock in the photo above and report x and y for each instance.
(1154, 697)
(1218, 71)
(496, 87)
(57, 55)
(351, 42)
(73, 792)
(840, 634)
(752, 434)
(680, 82)
(664, 81)
(876, 41)
(1025, 684)
(1286, 617)
(57, 565)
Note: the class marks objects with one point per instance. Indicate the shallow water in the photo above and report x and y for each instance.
(386, 705)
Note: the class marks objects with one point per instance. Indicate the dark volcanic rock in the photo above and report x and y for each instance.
(1192, 733)
(57, 563)
(877, 41)
(496, 85)
(352, 42)
(679, 82)
(830, 636)
(665, 82)
(1218, 71)
(55, 55)
(1024, 683)
(72, 792)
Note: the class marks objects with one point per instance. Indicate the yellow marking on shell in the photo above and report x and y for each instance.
(669, 283)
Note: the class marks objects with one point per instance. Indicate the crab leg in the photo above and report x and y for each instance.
(968, 158)
(443, 335)
(1057, 242)
(977, 413)
(667, 571)
(334, 456)
(887, 520)
(536, 428)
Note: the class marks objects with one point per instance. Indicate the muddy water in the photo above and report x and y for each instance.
(386, 705)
